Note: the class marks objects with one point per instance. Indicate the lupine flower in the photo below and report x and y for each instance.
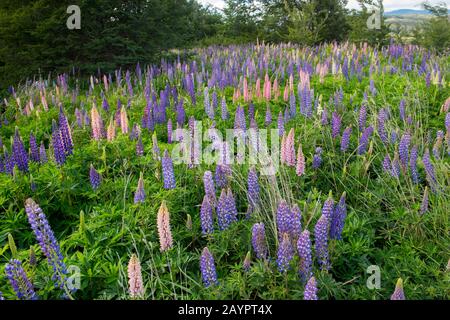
(47, 242)
(94, 177)
(111, 132)
(135, 283)
(169, 131)
(395, 170)
(398, 292)
(364, 140)
(317, 159)
(438, 144)
(223, 216)
(404, 149)
(268, 118)
(328, 207)
(310, 290)
(429, 169)
(253, 188)
(155, 148)
(285, 253)
(221, 175)
(324, 117)
(345, 141)
(189, 222)
(362, 118)
(338, 219)
(66, 134)
(304, 252)
(300, 169)
(413, 164)
(231, 206)
(259, 240)
(210, 189)
(42, 153)
(96, 124)
(139, 147)
(164, 232)
(206, 216)
(284, 218)
(247, 262)
(335, 125)
(19, 281)
(34, 148)
(290, 148)
(208, 268)
(381, 125)
(168, 174)
(58, 147)
(19, 153)
(280, 124)
(296, 227)
(124, 120)
(139, 195)
(424, 206)
(321, 241)
(224, 113)
(402, 110)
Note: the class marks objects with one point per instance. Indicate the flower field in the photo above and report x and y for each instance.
(332, 182)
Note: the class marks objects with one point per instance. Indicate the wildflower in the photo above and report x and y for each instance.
(335, 125)
(163, 223)
(290, 148)
(208, 268)
(398, 292)
(280, 124)
(317, 159)
(111, 132)
(247, 262)
(310, 290)
(395, 170)
(42, 153)
(47, 242)
(268, 118)
(96, 124)
(139, 147)
(404, 149)
(321, 241)
(206, 216)
(168, 174)
(300, 170)
(34, 148)
(429, 169)
(169, 131)
(364, 140)
(221, 175)
(424, 206)
(362, 118)
(210, 190)
(19, 153)
(155, 148)
(135, 283)
(139, 195)
(66, 134)
(382, 115)
(189, 222)
(123, 120)
(328, 206)
(224, 110)
(345, 141)
(285, 253)
(284, 218)
(58, 147)
(304, 252)
(338, 219)
(259, 240)
(413, 164)
(253, 188)
(19, 280)
(94, 177)
(296, 216)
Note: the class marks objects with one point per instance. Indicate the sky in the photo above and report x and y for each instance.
(353, 4)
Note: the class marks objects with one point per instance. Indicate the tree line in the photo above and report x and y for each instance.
(34, 38)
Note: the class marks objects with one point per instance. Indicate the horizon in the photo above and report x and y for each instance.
(389, 5)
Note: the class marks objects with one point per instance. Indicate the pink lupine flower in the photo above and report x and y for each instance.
(163, 223)
(300, 161)
(135, 283)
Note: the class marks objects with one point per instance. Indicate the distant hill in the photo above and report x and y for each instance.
(402, 12)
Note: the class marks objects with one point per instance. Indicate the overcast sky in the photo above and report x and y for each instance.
(388, 4)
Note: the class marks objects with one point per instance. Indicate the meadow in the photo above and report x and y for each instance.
(93, 207)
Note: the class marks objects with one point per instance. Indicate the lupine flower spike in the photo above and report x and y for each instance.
(398, 292)
(135, 283)
(164, 232)
(311, 290)
(20, 283)
(139, 195)
(208, 268)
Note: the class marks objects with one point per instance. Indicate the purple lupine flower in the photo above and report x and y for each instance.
(210, 190)
(413, 164)
(221, 175)
(362, 118)
(317, 159)
(429, 169)
(403, 149)
(139, 147)
(424, 205)
(328, 207)
(19, 280)
(381, 121)
(285, 253)
(387, 165)
(259, 240)
(47, 241)
(231, 206)
(335, 125)
(321, 241)
(268, 118)
(364, 140)
(253, 188)
(208, 268)
(19, 153)
(324, 117)
(206, 216)
(393, 137)
(310, 290)
(9, 162)
(58, 147)
(345, 141)
(296, 227)
(304, 252)
(169, 131)
(338, 219)
(94, 177)
(284, 218)
(42, 153)
(168, 173)
(181, 113)
(280, 124)
(292, 105)
(225, 115)
(223, 216)
(139, 195)
(247, 262)
(395, 170)
(34, 148)
(105, 105)
(398, 292)
(66, 135)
